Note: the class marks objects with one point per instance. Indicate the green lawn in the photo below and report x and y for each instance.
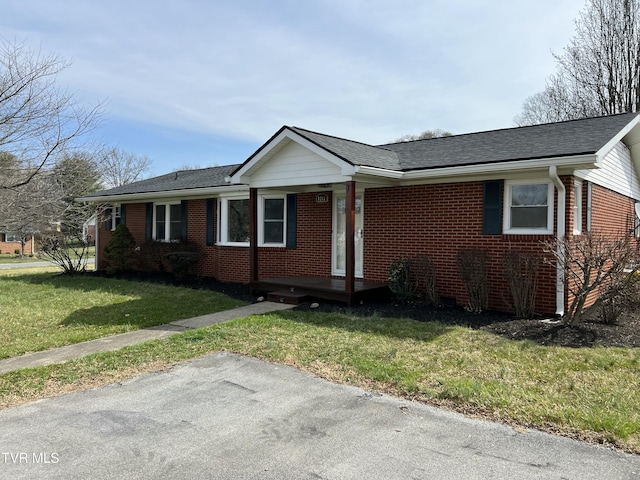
(586, 393)
(4, 258)
(41, 309)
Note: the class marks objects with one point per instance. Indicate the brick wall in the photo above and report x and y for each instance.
(438, 221)
(408, 221)
(12, 247)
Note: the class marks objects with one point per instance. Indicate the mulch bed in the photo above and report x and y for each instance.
(542, 330)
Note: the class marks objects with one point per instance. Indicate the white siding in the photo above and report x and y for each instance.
(616, 173)
(294, 164)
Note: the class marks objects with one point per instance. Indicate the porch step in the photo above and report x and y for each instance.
(287, 297)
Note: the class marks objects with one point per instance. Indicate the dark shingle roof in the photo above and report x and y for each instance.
(575, 137)
(182, 180)
(353, 152)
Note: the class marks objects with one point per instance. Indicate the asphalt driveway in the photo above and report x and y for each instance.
(228, 416)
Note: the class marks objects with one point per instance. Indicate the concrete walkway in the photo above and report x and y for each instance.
(115, 342)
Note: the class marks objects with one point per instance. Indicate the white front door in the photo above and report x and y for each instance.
(339, 235)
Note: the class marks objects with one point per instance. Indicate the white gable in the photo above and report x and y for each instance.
(294, 164)
(616, 172)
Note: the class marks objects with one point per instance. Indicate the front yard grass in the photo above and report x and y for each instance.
(41, 309)
(585, 393)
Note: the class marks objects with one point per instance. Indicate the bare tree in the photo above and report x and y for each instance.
(38, 120)
(76, 175)
(598, 73)
(594, 264)
(118, 167)
(424, 135)
(30, 208)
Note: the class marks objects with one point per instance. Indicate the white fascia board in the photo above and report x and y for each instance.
(600, 154)
(501, 168)
(243, 175)
(299, 182)
(378, 172)
(191, 193)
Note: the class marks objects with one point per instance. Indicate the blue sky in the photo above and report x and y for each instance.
(206, 82)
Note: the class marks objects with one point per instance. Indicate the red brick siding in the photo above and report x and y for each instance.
(438, 221)
(12, 247)
(312, 255)
(409, 221)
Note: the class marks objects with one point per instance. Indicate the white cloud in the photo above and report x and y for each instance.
(371, 70)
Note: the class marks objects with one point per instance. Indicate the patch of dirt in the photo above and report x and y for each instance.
(542, 330)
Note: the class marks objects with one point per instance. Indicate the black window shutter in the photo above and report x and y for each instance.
(183, 220)
(148, 221)
(107, 222)
(292, 207)
(492, 208)
(210, 221)
(123, 215)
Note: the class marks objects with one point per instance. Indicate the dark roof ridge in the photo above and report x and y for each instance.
(294, 128)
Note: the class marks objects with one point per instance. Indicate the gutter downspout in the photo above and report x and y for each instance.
(561, 230)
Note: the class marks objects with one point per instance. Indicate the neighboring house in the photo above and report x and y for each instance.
(307, 206)
(11, 242)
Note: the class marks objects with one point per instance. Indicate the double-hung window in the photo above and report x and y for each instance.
(234, 221)
(272, 220)
(168, 222)
(233, 226)
(12, 237)
(528, 207)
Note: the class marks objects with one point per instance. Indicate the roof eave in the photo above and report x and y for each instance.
(606, 148)
(166, 194)
(584, 161)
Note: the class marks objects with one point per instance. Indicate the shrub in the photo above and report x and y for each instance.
(175, 257)
(521, 272)
(595, 264)
(423, 275)
(400, 282)
(472, 268)
(119, 251)
(69, 253)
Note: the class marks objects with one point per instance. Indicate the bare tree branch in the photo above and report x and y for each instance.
(38, 120)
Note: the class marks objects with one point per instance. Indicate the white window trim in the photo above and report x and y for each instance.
(167, 221)
(261, 200)
(506, 226)
(116, 212)
(13, 237)
(223, 220)
(577, 208)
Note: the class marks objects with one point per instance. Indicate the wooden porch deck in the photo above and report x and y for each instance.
(321, 288)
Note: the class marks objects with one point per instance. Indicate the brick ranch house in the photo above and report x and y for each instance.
(11, 242)
(309, 210)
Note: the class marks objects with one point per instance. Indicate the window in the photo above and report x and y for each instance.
(528, 207)
(273, 221)
(13, 237)
(577, 207)
(168, 222)
(233, 227)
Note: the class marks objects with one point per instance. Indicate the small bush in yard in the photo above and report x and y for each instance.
(119, 251)
(400, 282)
(423, 273)
(521, 272)
(472, 267)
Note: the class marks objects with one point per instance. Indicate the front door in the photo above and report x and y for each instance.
(339, 231)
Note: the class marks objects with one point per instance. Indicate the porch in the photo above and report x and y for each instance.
(299, 289)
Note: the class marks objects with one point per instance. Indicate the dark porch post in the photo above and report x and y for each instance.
(253, 234)
(350, 243)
